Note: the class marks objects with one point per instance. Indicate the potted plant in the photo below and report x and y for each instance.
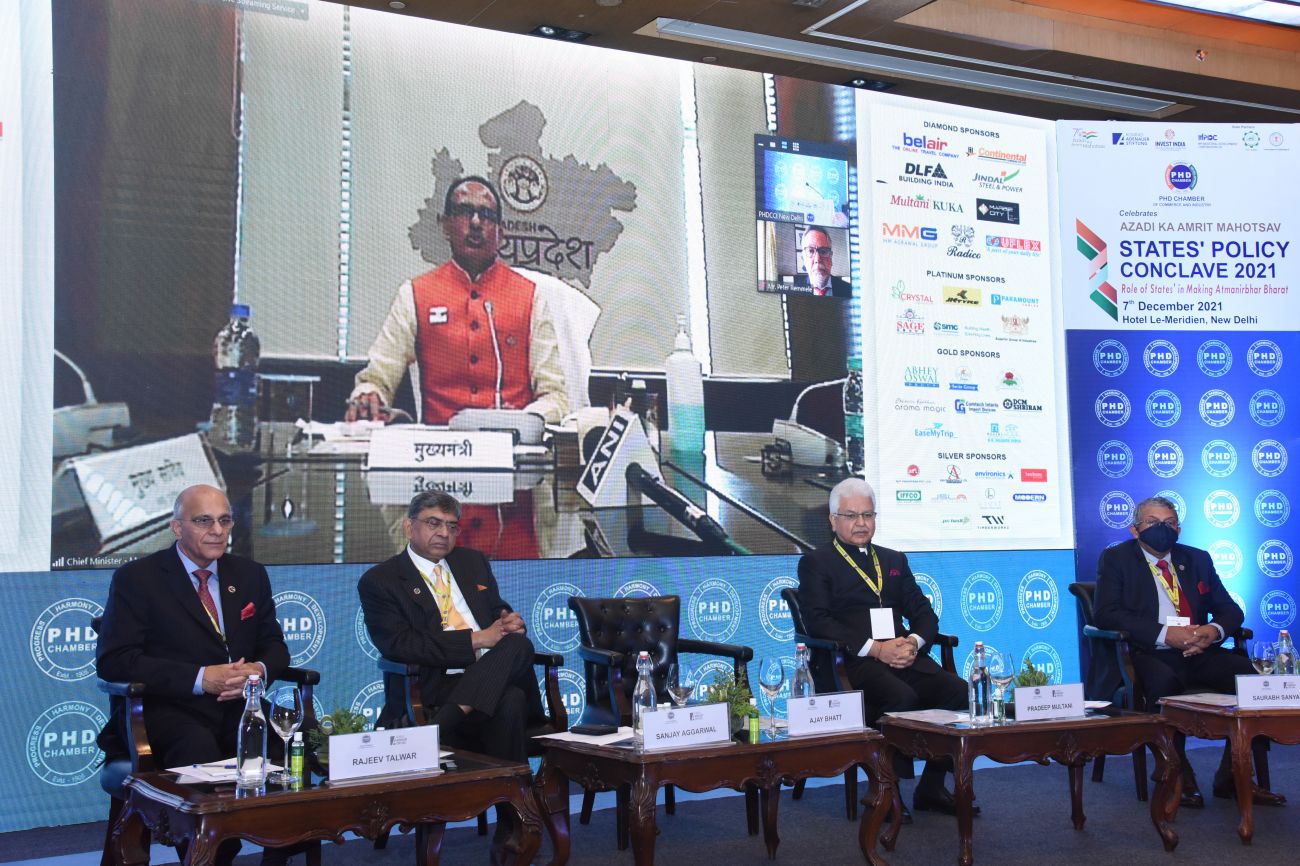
(724, 689)
(1028, 676)
(338, 722)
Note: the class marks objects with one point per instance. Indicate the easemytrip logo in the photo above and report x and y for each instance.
(1160, 357)
(1219, 458)
(1269, 458)
(1217, 408)
(1267, 408)
(1214, 358)
(1163, 408)
(908, 235)
(1114, 458)
(62, 640)
(1272, 508)
(1264, 358)
(1227, 558)
(1046, 659)
(1277, 608)
(929, 174)
(1116, 508)
(637, 589)
(936, 430)
(573, 693)
(714, 612)
(1110, 358)
(61, 748)
(1112, 408)
(302, 620)
(1165, 458)
(369, 702)
(1038, 598)
(981, 601)
(1221, 508)
(1181, 176)
(1274, 558)
(554, 625)
(774, 613)
(362, 634)
(930, 589)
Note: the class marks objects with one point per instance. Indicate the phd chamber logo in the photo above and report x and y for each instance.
(554, 625)
(302, 620)
(981, 601)
(61, 748)
(62, 640)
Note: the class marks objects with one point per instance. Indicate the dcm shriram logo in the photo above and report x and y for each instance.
(981, 601)
(714, 613)
(62, 641)
(61, 746)
(303, 621)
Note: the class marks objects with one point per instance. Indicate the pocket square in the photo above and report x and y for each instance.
(894, 572)
(249, 611)
(481, 587)
(1203, 588)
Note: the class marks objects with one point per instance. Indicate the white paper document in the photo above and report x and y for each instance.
(1214, 699)
(623, 733)
(212, 772)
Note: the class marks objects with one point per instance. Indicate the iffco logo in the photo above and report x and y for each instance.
(715, 610)
(1272, 508)
(1165, 458)
(303, 622)
(61, 746)
(573, 693)
(1227, 558)
(362, 634)
(1267, 408)
(1214, 358)
(1038, 599)
(1114, 459)
(1219, 458)
(554, 625)
(774, 613)
(1116, 509)
(1274, 558)
(1110, 358)
(1217, 408)
(1112, 408)
(930, 588)
(981, 601)
(1221, 508)
(637, 589)
(1264, 358)
(369, 702)
(1160, 357)
(1268, 457)
(1045, 658)
(1180, 176)
(62, 641)
(1277, 608)
(1163, 408)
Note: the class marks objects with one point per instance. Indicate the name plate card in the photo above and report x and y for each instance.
(396, 487)
(1267, 691)
(382, 753)
(830, 713)
(688, 726)
(416, 447)
(1049, 702)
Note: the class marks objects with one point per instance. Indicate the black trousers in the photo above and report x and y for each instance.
(502, 691)
(890, 690)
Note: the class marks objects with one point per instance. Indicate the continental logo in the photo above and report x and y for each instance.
(962, 296)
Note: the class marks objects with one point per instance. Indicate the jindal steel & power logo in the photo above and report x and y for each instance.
(981, 601)
(773, 612)
(1264, 358)
(1214, 358)
(1221, 508)
(637, 589)
(1110, 358)
(1219, 458)
(62, 641)
(1274, 558)
(61, 748)
(714, 612)
(1272, 508)
(302, 620)
(1160, 357)
(1227, 558)
(1217, 408)
(1277, 608)
(930, 589)
(1038, 599)
(554, 625)
(1046, 659)
(362, 634)
(1164, 408)
(1165, 458)
(1116, 509)
(573, 693)
(1114, 458)
(1269, 458)
(369, 702)
(1267, 409)
(1112, 408)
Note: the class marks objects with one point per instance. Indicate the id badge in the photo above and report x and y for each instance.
(1178, 620)
(882, 623)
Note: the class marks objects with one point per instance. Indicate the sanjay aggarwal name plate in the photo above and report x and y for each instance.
(687, 726)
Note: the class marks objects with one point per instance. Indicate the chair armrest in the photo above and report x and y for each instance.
(613, 663)
(947, 643)
(608, 658)
(552, 659)
(136, 738)
(121, 690)
(1104, 634)
(552, 662)
(707, 647)
(1244, 633)
(410, 675)
(839, 653)
(401, 669)
(301, 676)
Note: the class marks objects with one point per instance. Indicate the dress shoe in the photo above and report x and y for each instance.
(941, 801)
(1191, 799)
(1224, 789)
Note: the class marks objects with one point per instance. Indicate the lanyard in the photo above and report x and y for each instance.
(878, 582)
(441, 596)
(1171, 590)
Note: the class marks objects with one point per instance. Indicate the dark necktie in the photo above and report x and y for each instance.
(209, 604)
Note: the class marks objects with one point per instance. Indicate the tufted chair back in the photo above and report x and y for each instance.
(626, 626)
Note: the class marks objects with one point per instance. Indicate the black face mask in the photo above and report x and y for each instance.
(1159, 538)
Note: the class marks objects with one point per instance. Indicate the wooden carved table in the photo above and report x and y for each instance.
(1072, 742)
(1239, 728)
(208, 814)
(762, 766)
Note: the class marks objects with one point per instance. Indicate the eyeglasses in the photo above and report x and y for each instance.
(435, 524)
(1172, 523)
(820, 252)
(855, 516)
(469, 211)
(206, 521)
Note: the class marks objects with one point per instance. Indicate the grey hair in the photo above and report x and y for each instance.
(178, 506)
(433, 499)
(851, 487)
(1162, 501)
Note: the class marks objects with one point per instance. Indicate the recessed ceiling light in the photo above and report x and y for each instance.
(609, 2)
(551, 31)
(396, 4)
(708, 58)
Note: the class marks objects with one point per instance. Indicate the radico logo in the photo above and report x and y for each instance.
(962, 243)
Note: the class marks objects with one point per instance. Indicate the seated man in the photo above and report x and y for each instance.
(839, 585)
(1175, 625)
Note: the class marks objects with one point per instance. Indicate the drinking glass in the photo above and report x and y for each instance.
(1002, 671)
(771, 677)
(678, 689)
(286, 718)
(1262, 655)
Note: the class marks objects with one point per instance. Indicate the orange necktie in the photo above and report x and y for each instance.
(451, 618)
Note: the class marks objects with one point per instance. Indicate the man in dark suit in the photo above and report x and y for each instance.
(839, 585)
(1169, 599)
(818, 255)
(437, 606)
(191, 622)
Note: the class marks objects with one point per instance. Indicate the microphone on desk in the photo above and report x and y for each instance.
(496, 349)
(680, 508)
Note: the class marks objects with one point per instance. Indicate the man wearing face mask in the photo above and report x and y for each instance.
(1169, 599)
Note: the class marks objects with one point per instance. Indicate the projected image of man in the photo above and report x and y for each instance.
(818, 256)
(478, 331)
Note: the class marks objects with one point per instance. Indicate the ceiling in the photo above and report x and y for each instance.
(1041, 58)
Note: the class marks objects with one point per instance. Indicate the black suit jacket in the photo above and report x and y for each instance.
(406, 625)
(840, 287)
(155, 631)
(1126, 592)
(836, 602)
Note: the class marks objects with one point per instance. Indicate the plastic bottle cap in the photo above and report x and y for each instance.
(297, 736)
(240, 311)
(753, 702)
(254, 678)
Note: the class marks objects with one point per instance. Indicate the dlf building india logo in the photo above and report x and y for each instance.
(1093, 249)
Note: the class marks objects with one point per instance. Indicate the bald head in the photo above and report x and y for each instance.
(201, 522)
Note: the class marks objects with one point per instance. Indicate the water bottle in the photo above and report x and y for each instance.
(1284, 658)
(802, 684)
(978, 688)
(643, 695)
(235, 353)
(853, 429)
(250, 753)
(685, 394)
(297, 757)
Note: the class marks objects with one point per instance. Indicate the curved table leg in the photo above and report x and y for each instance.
(428, 842)
(771, 799)
(1241, 778)
(1076, 795)
(642, 807)
(882, 796)
(963, 778)
(551, 790)
(1169, 788)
